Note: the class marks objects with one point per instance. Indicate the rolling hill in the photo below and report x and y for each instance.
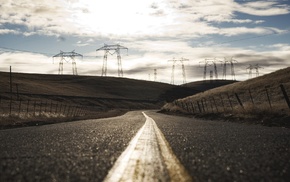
(45, 98)
(260, 100)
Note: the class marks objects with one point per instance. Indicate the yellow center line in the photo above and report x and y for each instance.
(148, 158)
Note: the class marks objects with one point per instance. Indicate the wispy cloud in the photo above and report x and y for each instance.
(263, 8)
(129, 18)
(154, 31)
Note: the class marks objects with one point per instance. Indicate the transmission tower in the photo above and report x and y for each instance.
(207, 63)
(230, 61)
(174, 61)
(155, 75)
(112, 49)
(257, 67)
(64, 57)
(250, 68)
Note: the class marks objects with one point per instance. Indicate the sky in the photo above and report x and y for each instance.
(155, 33)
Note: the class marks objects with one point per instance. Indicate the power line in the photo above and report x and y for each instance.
(35, 52)
(22, 50)
(247, 38)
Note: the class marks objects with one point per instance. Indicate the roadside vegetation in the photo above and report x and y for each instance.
(259, 100)
(36, 99)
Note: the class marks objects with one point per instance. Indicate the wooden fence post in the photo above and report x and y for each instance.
(187, 107)
(64, 108)
(205, 104)
(230, 101)
(27, 108)
(76, 108)
(285, 95)
(192, 106)
(199, 108)
(34, 108)
(51, 107)
(10, 106)
(250, 93)
(45, 106)
(40, 107)
(56, 107)
(60, 107)
(268, 96)
(240, 102)
(19, 107)
(222, 101)
(68, 110)
(210, 102)
(10, 76)
(17, 91)
(215, 104)
(202, 104)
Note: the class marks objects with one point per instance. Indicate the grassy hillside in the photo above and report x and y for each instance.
(261, 100)
(89, 86)
(54, 98)
(208, 84)
(61, 96)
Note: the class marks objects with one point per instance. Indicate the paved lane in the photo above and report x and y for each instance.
(221, 151)
(88, 150)
(148, 158)
(76, 151)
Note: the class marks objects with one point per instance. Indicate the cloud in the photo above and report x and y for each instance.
(148, 18)
(9, 31)
(154, 32)
(263, 8)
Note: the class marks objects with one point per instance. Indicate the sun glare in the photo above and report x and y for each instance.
(127, 17)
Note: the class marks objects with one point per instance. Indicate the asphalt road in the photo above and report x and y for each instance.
(76, 151)
(222, 151)
(87, 150)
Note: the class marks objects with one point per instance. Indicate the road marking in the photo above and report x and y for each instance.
(148, 158)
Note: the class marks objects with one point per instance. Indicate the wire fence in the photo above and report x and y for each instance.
(273, 98)
(41, 107)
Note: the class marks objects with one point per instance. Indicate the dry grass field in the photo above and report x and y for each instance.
(258, 100)
(41, 99)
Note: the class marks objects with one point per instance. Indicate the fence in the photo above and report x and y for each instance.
(10, 106)
(271, 98)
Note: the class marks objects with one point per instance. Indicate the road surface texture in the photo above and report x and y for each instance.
(92, 150)
(222, 151)
(75, 151)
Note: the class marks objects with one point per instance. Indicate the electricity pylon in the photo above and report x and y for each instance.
(207, 63)
(251, 67)
(63, 57)
(173, 69)
(230, 61)
(155, 75)
(112, 49)
(257, 67)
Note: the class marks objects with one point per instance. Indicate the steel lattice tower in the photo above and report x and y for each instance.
(209, 62)
(173, 69)
(230, 61)
(257, 67)
(112, 49)
(63, 57)
(250, 68)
